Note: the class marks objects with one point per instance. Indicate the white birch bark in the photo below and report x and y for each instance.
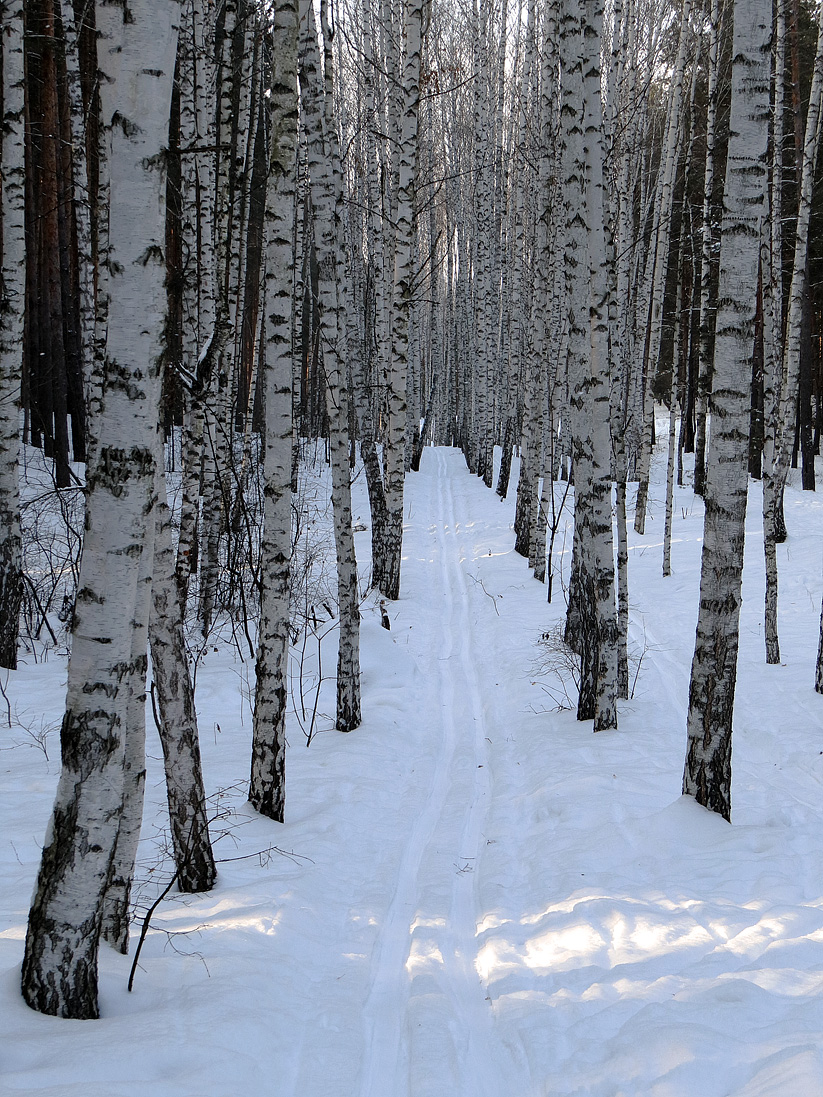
(326, 197)
(681, 335)
(707, 236)
(12, 195)
(193, 857)
(371, 378)
(662, 238)
(772, 266)
(707, 774)
(244, 138)
(81, 205)
(391, 33)
(545, 248)
(586, 305)
(519, 271)
(670, 453)
(483, 183)
(218, 418)
(60, 965)
(267, 785)
(114, 927)
(594, 471)
(416, 15)
(624, 151)
(197, 138)
(787, 404)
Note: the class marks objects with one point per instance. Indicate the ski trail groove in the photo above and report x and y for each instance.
(480, 1068)
(439, 906)
(387, 1003)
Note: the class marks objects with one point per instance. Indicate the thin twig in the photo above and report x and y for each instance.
(145, 928)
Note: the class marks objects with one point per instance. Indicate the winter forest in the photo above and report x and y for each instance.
(422, 370)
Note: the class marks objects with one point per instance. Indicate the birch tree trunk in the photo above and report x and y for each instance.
(196, 78)
(670, 454)
(624, 149)
(416, 16)
(482, 241)
(705, 360)
(60, 965)
(185, 792)
(595, 470)
(518, 274)
(586, 305)
(662, 238)
(267, 786)
(231, 103)
(12, 163)
(682, 333)
(374, 364)
(326, 199)
(707, 774)
(82, 206)
(786, 409)
(773, 344)
(114, 927)
(545, 248)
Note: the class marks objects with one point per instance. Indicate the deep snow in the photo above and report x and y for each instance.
(484, 898)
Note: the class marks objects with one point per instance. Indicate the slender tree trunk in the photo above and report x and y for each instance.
(416, 17)
(599, 539)
(82, 206)
(326, 192)
(706, 330)
(519, 272)
(666, 180)
(116, 903)
(794, 323)
(772, 273)
(782, 386)
(60, 965)
(818, 670)
(682, 334)
(218, 420)
(12, 297)
(707, 774)
(267, 787)
(199, 337)
(622, 594)
(587, 305)
(193, 857)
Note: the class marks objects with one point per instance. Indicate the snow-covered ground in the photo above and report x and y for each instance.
(473, 895)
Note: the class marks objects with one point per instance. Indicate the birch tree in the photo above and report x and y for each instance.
(587, 309)
(773, 341)
(659, 258)
(81, 203)
(198, 337)
(707, 774)
(785, 400)
(193, 857)
(267, 788)
(519, 267)
(59, 975)
(415, 21)
(326, 199)
(12, 196)
(707, 240)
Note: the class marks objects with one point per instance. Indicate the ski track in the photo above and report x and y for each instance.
(426, 995)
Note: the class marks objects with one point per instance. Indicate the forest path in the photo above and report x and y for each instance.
(427, 1002)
